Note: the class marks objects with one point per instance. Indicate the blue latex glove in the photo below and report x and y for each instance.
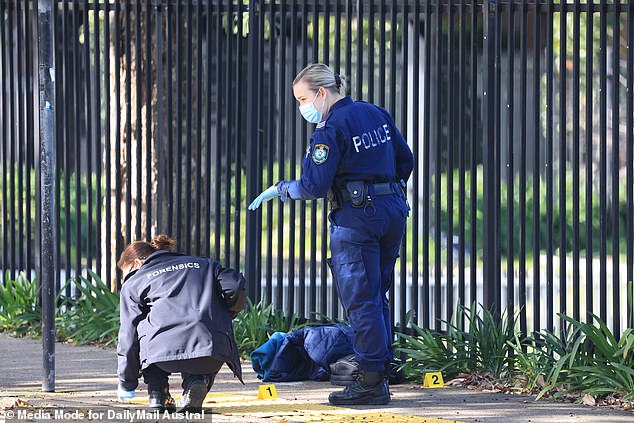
(123, 394)
(269, 193)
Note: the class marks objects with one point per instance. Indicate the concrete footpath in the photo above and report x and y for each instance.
(86, 390)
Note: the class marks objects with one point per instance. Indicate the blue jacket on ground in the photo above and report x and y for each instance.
(303, 354)
(262, 358)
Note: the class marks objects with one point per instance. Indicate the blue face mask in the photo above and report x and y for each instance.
(310, 112)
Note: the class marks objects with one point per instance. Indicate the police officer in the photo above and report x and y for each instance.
(176, 313)
(360, 160)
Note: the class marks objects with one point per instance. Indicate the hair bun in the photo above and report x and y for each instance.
(337, 80)
(163, 242)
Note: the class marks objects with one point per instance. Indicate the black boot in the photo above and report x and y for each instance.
(344, 371)
(194, 393)
(370, 388)
(161, 400)
(392, 372)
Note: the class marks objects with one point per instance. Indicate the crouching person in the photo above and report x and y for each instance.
(176, 313)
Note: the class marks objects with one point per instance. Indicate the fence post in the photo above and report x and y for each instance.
(491, 289)
(46, 73)
(253, 165)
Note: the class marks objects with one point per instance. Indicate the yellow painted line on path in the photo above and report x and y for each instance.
(295, 411)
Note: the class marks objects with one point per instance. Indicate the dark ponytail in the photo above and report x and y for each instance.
(162, 242)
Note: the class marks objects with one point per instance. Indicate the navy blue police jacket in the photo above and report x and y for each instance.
(177, 307)
(356, 141)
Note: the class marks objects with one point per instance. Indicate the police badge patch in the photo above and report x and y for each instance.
(320, 153)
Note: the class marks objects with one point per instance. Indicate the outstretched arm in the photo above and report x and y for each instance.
(129, 364)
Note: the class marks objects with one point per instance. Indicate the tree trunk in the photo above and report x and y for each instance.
(131, 122)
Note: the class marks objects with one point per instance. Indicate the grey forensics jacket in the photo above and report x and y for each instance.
(176, 307)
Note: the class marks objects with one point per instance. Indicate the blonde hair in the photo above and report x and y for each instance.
(318, 75)
(142, 249)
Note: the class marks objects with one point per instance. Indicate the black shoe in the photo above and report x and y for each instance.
(162, 401)
(370, 388)
(193, 396)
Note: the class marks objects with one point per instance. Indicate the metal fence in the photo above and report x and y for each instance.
(172, 115)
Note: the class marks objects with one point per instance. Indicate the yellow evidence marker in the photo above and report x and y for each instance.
(267, 392)
(433, 380)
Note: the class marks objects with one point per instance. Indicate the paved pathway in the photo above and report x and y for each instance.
(85, 381)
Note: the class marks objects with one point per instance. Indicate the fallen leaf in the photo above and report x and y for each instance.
(19, 403)
(589, 400)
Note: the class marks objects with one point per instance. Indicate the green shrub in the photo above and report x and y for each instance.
(481, 347)
(91, 317)
(605, 365)
(20, 313)
(256, 323)
(426, 351)
(540, 358)
(587, 358)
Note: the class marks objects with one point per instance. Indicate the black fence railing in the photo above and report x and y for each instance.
(172, 115)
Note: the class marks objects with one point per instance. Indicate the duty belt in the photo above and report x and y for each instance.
(383, 188)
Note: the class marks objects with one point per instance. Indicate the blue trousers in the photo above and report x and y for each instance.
(365, 244)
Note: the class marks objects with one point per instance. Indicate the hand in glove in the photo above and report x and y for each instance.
(268, 194)
(123, 394)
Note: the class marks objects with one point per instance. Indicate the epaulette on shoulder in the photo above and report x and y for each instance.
(321, 124)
